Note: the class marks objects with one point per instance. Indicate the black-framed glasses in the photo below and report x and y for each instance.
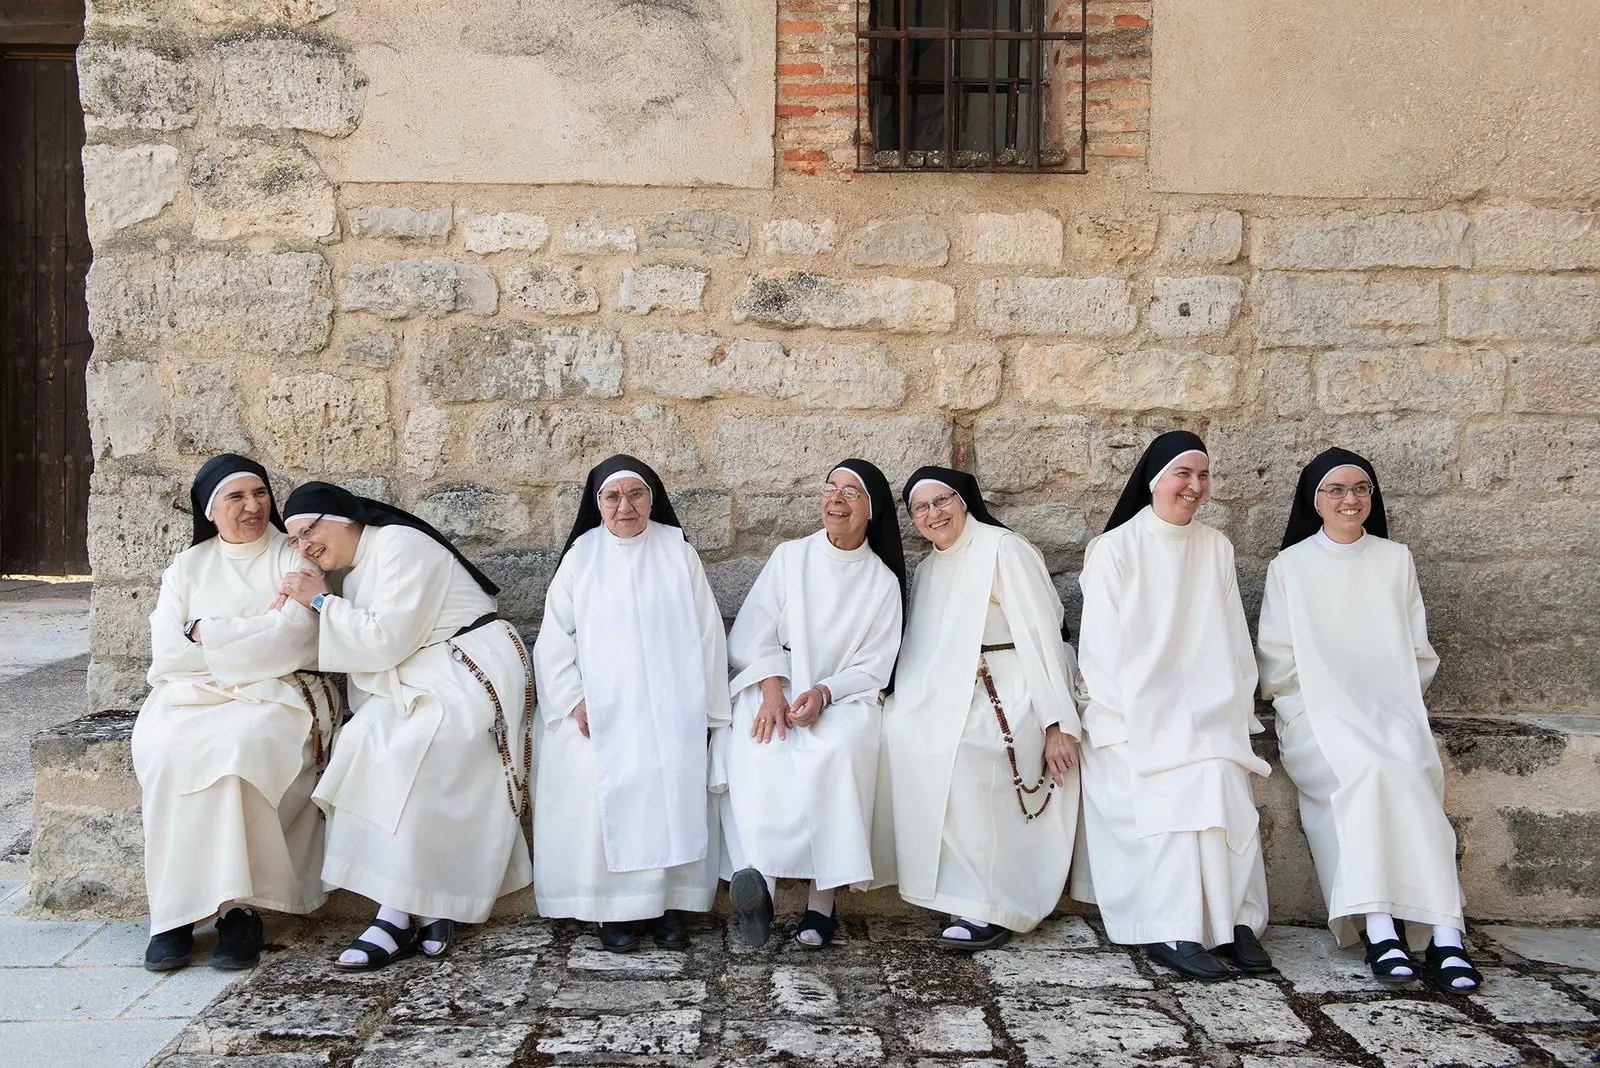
(298, 541)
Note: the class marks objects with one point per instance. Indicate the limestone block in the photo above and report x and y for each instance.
(1250, 461)
(796, 237)
(1392, 1032)
(781, 515)
(1195, 307)
(553, 289)
(590, 236)
(1347, 241)
(1023, 239)
(1344, 309)
(912, 241)
(208, 411)
(326, 423)
(1054, 529)
(517, 362)
(1018, 453)
(262, 12)
(800, 298)
(117, 683)
(1072, 1030)
(125, 401)
(707, 516)
(523, 578)
(428, 225)
(702, 231)
(128, 87)
(1081, 376)
(474, 514)
(1523, 308)
(1088, 307)
(1472, 529)
(504, 230)
(1120, 236)
(665, 286)
(122, 13)
(280, 81)
(967, 375)
(1421, 378)
(137, 523)
(248, 187)
(403, 288)
(425, 443)
(119, 620)
(560, 444)
(373, 349)
(1537, 239)
(796, 451)
(122, 186)
(823, 374)
(89, 863)
(1558, 380)
(1201, 239)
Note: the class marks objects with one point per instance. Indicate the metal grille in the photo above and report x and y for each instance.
(965, 85)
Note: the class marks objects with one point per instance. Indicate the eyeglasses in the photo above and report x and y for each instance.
(1359, 490)
(941, 502)
(639, 498)
(299, 541)
(849, 493)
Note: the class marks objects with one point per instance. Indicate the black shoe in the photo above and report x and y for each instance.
(671, 930)
(1247, 951)
(752, 906)
(240, 937)
(619, 937)
(825, 926)
(169, 949)
(989, 936)
(1190, 958)
(1442, 978)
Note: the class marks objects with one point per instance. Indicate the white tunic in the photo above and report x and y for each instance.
(1345, 659)
(224, 747)
(947, 825)
(419, 815)
(801, 807)
(1170, 828)
(624, 822)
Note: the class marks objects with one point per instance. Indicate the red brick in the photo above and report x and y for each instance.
(795, 111)
(1131, 22)
(821, 89)
(799, 27)
(785, 69)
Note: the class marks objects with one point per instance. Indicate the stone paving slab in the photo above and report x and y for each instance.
(1575, 947)
(96, 1043)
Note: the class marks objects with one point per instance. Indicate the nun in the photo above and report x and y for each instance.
(1173, 856)
(633, 674)
(812, 650)
(427, 784)
(977, 793)
(1345, 660)
(226, 747)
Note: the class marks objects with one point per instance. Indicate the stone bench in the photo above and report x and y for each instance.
(1523, 793)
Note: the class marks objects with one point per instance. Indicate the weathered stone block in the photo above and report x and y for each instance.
(1558, 380)
(1537, 239)
(1422, 378)
(730, 582)
(404, 288)
(676, 364)
(474, 363)
(116, 684)
(89, 863)
(1347, 241)
(789, 451)
(125, 86)
(707, 516)
(372, 349)
(425, 443)
(1524, 308)
(1078, 376)
(1201, 239)
(662, 286)
(503, 230)
(430, 225)
(553, 289)
(1023, 239)
(591, 236)
(1344, 309)
(122, 186)
(913, 241)
(967, 375)
(796, 237)
(560, 444)
(1474, 528)
(699, 230)
(262, 12)
(474, 514)
(125, 402)
(1022, 452)
(325, 423)
(1120, 236)
(1195, 307)
(208, 412)
(523, 578)
(119, 620)
(1088, 307)
(1413, 457)
(800, 298)
(121, 14)
(781, 515)
(1055, 530)
(285, 82)
(249, 187)
(136, 524)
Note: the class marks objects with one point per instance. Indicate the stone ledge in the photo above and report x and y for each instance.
(1522, 792)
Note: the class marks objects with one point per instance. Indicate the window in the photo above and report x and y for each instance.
(971, 85)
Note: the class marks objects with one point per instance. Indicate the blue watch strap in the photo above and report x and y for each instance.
(316, 602)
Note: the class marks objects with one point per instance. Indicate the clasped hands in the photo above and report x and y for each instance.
(778, 714)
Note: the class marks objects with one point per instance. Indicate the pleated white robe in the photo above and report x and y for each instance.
(419, 814)
(1172, 850)
(590, 858)
(947, 826)
(224, 746)
(1345, 659)
(801, 807)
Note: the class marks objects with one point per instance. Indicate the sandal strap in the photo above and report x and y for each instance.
(1378, 949)
(375, 954)
(813, 920)
(437, 931)
(399, 934)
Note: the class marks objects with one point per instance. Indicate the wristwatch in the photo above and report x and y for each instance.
(316, 602)
(188, 631)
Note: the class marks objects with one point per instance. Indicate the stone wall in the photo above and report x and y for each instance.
(469, 350)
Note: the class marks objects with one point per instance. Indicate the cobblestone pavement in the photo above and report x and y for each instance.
(544, 993)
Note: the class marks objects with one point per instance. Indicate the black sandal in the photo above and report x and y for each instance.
(405, 940)
(1444, 978)
(992, 936)
(1384, 970)
(826, 926)
(441, 931)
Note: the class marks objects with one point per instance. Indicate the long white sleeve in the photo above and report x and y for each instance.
(713, 643)
(756, 642)
(873, 664)
(170, 652)
(555, 652)
(409, 592)
(1033, 612)
(1427, 659)
(1100, 630)
(245, 649)
(1280, 680)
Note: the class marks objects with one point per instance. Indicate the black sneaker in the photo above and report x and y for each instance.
(239, 940)
(169, 949)
(672, 930)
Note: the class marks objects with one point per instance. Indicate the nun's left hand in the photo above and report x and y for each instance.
(303, 585)
(806, 708)
(1060, 753)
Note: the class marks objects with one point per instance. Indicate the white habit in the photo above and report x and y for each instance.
(1345, 659)
(948, 826)
(419, 814)
(1169, 824)
(624, 822)
(801, 807)
(224, 746)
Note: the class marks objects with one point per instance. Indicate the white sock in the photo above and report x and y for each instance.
(1380, 928)
(1450, 938)
(378, 936)
(955, 930)
(428, 944)
(818, 901)
(772, 886)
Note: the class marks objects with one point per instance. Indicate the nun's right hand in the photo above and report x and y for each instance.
(580, 712)
(773, 713)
